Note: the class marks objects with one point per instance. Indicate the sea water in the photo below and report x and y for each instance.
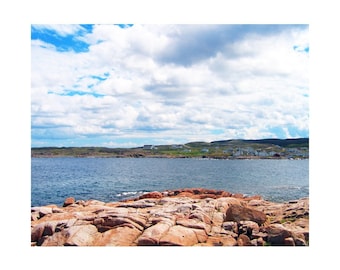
(114, 179)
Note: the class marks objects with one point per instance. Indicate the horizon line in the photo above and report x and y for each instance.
(298, 138)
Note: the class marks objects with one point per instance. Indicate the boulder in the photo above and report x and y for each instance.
(68, 201)
(238, 213)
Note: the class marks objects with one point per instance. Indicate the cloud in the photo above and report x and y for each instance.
(175, 83)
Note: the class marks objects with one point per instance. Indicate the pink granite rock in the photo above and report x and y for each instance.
(238, 213)
(69, 201)
(179, 236)
(183, 217)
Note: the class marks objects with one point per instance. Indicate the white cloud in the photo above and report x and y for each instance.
(167, 81)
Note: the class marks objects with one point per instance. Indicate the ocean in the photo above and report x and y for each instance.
(114, 179)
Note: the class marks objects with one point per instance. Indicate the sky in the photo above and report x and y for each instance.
(128, 85)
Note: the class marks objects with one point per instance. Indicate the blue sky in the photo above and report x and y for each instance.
(131, 84)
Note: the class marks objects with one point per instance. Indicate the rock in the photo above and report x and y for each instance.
(155, 195)
(137, 204)
(183, 217)
(222, 204)
(248, 227)
(37, 232)
(179, 236)
(152, 235)
(120, 236)
(230, 226)
(300, 242)
(243, 240)
(238, 213)
(201, 216)
(185, 194)
(84, 235)
(204, 196)
(277, 234)
(81, 235)
(258, 235)
(184, 208)
(93, 203)
(47, 228)
(289, 241)
(42, 211)
(254, 197)
(259, 241)
(221, 241)
(217, 218)
(117, 211)
(193, 223)
(201, 235)
(238, 195)
(35, 216)
(68, 201)
(198, 193)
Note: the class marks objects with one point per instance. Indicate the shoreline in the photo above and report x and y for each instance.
(224, 149)
(174, 157)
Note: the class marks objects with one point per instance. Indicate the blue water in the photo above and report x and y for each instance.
(113, 179)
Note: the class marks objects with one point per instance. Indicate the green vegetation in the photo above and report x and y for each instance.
(293, 218)
(229, 149)
(289, 219)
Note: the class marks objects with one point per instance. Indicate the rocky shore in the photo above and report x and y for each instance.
(183, 217)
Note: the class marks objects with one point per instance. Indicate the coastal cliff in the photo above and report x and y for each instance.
(183, 217)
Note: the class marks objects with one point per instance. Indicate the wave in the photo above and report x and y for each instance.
(290, 187)
(127, 194)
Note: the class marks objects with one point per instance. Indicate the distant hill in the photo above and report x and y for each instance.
(299, 142)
